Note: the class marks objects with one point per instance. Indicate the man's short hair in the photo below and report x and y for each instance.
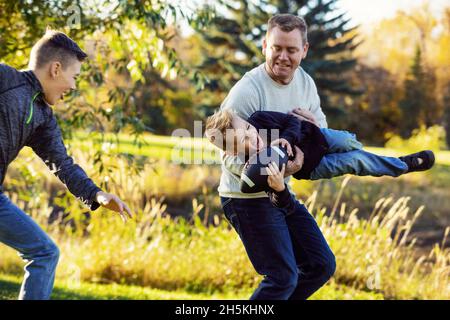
(288, 22)
(55, 45)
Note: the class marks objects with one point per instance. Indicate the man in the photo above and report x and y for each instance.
(287, 248)
(26, 119)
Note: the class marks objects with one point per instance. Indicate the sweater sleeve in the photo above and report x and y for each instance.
(48, 144)
(316, 110)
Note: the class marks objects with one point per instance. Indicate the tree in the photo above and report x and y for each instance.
(375, 114)
(446, 118)
(127, 46)
(419, 105)
(234, 42)
(124, 39)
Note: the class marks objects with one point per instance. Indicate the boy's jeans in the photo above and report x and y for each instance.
(287, 248)
(20, 232)
(345, 156)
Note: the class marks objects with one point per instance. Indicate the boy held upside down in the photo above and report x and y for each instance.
(327, 153)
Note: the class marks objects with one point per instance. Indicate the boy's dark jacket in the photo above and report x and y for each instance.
(302, 134)
(27, 120)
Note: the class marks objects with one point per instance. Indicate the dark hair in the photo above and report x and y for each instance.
(55, 45)
(288, 22)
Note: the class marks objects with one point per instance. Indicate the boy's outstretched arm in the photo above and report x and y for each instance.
(48, 144)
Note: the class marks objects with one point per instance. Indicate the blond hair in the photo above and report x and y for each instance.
(217, 126)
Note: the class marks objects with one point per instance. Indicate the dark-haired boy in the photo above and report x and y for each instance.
(26, 119)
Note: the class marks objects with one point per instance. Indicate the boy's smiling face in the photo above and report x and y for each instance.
(246, 137)
(60, 80)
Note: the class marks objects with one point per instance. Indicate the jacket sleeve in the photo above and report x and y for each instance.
(48, 144)
(284, 200)
(288, 126)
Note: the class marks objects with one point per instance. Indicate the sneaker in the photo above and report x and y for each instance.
(414, 163)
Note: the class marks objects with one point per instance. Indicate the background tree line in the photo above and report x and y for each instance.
(156, 67)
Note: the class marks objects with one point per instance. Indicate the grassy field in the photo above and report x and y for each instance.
(431, 188)
(64, 290)
(180, 247)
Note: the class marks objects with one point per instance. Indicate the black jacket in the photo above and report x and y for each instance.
(283, 199)
(27, 120)
(302, 134)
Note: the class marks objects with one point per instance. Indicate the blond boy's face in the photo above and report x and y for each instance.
(246, 137)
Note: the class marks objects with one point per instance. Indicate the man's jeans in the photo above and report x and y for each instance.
(20, 232)
(346, 157)
(287, 248)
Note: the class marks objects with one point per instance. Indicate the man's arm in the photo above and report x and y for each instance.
(317, 112)
(48, 144)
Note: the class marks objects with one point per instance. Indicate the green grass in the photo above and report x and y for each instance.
(214, 264)
(10, 286)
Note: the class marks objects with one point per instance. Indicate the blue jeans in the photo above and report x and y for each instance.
(345, 156)
(20, 232)
(287, 248)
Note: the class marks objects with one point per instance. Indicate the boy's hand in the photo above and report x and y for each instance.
(284, 143)
(113, 203)
(276, 177)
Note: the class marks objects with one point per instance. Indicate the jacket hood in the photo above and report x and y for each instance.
(11, 78)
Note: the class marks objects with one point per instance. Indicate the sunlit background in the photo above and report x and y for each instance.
(382, 70)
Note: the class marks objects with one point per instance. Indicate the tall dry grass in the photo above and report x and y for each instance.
(160, 251)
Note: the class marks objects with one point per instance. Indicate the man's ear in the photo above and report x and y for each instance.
(305, 50)
(55, 69)
(264, 46)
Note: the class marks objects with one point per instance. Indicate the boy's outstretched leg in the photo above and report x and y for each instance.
(340, 140)
(363, 163)
(359, 163)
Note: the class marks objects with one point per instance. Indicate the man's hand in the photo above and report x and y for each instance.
(276, 177)
(113, 203)
(304, 115)
(295, 165)
(284, 143)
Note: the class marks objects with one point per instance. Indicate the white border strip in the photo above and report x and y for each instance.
(247, 180)
(278, 150)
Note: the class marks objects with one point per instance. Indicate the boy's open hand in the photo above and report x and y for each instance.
(276, 177)
(113, 203)
(284, 143)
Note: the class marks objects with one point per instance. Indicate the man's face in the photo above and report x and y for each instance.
(247, 139)
(61, 80)
(283, 51)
